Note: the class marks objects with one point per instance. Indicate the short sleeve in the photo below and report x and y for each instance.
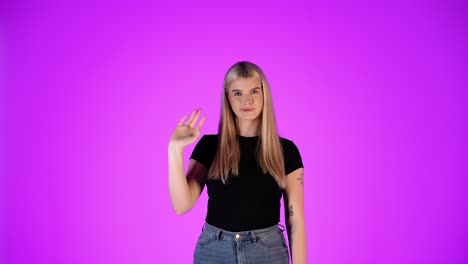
(292, 157)
(204, 151)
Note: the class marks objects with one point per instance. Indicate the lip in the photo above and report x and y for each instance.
(247, 109)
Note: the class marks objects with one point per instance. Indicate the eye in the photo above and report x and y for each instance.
(237, 93)
(255, 91)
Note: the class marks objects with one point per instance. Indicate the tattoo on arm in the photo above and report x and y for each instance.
(300, 178)
(290, 212)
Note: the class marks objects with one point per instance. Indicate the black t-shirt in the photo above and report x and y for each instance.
(250, 200)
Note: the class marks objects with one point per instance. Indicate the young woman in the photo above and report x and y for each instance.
(247, 167)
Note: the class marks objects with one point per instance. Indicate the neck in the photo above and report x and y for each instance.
(248, 128)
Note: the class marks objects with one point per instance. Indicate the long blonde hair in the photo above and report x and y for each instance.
(270, 154)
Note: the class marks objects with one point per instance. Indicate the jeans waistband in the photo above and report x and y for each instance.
(241, 235)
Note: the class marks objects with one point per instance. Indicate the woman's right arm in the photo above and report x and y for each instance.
(185, 190)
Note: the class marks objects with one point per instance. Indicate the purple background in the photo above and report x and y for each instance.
(374, 96)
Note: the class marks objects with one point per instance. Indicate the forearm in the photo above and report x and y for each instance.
(294, 214)
(178, 188)
(298, 245)
(297, 242)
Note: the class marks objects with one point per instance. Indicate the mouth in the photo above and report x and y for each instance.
(247, 109)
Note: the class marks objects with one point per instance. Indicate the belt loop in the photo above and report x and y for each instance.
(281, 227)
(253, 236)
(218, 234)
(203, 227)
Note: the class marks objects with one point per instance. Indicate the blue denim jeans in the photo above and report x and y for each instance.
(216, 245)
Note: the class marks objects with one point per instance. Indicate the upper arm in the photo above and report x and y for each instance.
(196, 179)
(294, 196)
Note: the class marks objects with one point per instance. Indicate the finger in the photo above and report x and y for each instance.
(182, 120)
(201, 122)
(191, 117)
(195, 118)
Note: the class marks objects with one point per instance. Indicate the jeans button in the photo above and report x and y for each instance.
(237, 236)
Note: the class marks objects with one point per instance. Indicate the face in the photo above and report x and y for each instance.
(246, 98)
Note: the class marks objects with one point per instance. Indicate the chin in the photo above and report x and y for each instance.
(251, 117)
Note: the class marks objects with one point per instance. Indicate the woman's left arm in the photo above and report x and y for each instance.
(294, 214)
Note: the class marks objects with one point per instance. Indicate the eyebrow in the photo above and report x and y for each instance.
(237, 90)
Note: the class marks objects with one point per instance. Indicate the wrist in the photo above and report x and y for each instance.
(175, 147)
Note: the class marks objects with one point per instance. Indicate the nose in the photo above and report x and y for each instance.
(248, 99)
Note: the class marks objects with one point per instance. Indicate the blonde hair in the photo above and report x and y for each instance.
(270, 154)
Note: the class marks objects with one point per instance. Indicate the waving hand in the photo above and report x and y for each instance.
(187, 133)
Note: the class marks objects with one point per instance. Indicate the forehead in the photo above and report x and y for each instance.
(246, 83)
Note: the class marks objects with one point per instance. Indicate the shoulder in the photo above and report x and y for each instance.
(287, 144)
(205, 149)
(211, 136)
(209, 140)
(292, 156)
(284, 140)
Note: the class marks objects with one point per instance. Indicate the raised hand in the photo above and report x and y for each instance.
(186, 134)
